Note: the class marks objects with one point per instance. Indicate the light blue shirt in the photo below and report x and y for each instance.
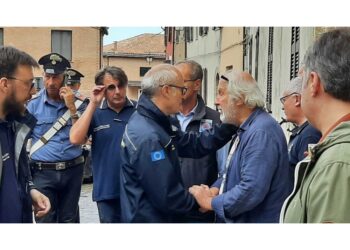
(184, 120)
(47, 112)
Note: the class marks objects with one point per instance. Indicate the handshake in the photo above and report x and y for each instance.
(204, 195)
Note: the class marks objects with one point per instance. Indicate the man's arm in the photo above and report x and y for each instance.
(197, 145)
(78, 132)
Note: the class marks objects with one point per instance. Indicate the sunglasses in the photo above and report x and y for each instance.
(25, 82)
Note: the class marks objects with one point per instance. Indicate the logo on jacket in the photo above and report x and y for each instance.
(158, 155)
(205, 124)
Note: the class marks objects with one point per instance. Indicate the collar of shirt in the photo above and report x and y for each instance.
(58, 104)
(128, 103)
(245, 125)
(191, 112)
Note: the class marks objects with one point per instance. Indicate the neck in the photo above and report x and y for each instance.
(244, 114)
(300, 120)
(329, 113)
(160, 105)
(116, 108)
(188, 105)
(2, 114)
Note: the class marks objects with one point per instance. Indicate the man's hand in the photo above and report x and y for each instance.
(68, 96)
(97, 94)
(41, 203)
(203, 195)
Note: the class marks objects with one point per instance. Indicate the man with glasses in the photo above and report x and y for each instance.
(151, 185)
(57, 165)
(196, 116)
(303, 134)
(17, 191)
(105, 119)
(321, 193)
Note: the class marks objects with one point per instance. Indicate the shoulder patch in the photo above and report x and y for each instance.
(158, 155)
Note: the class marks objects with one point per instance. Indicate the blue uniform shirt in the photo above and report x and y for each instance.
(107, 128)
(10, 194)
(47, 112)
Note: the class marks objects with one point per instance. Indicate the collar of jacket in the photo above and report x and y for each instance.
(199, 113)
(297, 130)
(245, 125)
(147, 108)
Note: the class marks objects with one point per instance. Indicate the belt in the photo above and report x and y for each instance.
(57, 165)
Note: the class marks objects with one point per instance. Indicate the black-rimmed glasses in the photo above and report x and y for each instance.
(284, 98)
(26, 82)
(183, 89)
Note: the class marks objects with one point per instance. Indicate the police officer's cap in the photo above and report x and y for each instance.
(54, 63)
(73, 76)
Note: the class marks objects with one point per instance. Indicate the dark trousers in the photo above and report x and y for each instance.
(63, 188)
(109, 211)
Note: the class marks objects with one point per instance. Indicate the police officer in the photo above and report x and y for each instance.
(74, 81)
(57, 165)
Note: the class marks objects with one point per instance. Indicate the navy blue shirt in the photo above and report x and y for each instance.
(299, 140)
(107, 128)
(47, 112)
(10, 198)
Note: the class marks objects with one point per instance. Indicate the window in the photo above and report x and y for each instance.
(269, 71)
(189, 34)
(1, 37)
(144, 70)
(61, 42)
(203, 31)
(256, 54)
(294, 55)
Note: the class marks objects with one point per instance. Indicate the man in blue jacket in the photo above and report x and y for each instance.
(256, 179)
(151, 187)
(17, 190)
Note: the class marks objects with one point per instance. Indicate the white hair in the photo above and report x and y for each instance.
(240, 87)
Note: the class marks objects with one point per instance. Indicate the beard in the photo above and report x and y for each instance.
(13, 108)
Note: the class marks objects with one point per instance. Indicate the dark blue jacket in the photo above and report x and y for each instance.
(23, 127)
(151, 187)
(258, 179)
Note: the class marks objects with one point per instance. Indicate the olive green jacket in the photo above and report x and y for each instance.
(322, 183)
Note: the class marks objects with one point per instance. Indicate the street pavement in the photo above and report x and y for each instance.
(88, 208)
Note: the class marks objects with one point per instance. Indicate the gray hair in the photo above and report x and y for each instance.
(161, 74)
(240, 86)
(196, 69)
(330, 58)
(294, 86)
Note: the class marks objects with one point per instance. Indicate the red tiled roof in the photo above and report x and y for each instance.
(142, 44)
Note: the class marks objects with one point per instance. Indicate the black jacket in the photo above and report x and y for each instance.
(151, 186)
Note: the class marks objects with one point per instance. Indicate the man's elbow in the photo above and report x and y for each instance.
(76, 139)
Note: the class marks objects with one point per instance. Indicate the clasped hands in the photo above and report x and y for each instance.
(204, 195)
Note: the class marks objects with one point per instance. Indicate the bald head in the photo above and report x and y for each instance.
(161, 74)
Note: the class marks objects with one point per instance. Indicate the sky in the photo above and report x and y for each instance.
(121, 33)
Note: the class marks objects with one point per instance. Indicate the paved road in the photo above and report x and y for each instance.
(88, 208)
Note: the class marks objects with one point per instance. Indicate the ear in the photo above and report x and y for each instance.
(315, 84)
(297, 100)
(4, 84)
(197, 84)
(165, 91)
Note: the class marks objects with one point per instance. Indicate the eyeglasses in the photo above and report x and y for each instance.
(183, 89)
(28, 82)
(284, 98)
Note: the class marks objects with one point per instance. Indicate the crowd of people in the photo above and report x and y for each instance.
(169, 158)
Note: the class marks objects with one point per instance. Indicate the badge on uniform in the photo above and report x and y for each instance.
(158, 155)
(205, 124)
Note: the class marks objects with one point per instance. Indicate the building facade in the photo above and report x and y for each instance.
(68, 41)
(135, 56)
